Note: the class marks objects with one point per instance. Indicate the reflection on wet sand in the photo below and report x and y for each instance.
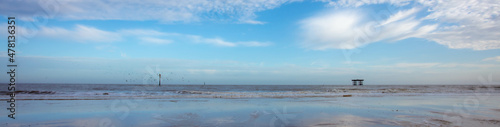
(314, 112)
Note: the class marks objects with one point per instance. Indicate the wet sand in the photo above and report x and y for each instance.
(433, 110)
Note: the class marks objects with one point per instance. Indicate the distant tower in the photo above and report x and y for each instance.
(159, 80)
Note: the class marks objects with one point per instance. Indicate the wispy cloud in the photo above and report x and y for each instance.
(86, 34)
(357, 3)
(435, 65)
(408, 65)
(196, 71)
(152, 40)
(223, 43)
(254, 44)
(496, 58)
(400, 16)
(214, 41)
(456, 24)
(80, 33)
(163, 10)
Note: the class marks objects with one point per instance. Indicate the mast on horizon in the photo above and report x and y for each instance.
(159, 80)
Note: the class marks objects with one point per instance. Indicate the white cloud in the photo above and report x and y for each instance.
(214, 41)
(400, 16)
(80, 34)
(206, 71)
(223, 43)
(436, 65)
(142, 32)
(240, 11)
(462, 11)
(152, 40)
(357, 3)
(331, 30)
(86, 34)
(352, 29)
(408, 65)
(497, 59)
(470, 24)
(254, 44)
(477, 23)
(417, 65)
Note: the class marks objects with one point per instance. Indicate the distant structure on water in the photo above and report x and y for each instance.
(159, 79)
(355, 82)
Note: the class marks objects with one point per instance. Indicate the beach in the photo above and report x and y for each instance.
(224, 107)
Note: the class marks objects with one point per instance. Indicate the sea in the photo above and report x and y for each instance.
(41, 91)
(138, 105)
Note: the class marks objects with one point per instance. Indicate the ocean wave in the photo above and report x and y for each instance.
(27, 92)
(110, 92)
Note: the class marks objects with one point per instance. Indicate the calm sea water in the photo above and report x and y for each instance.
(118, 91)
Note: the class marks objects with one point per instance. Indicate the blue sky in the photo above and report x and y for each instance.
(256, 42)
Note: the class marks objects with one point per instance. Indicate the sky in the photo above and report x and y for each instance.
(274, 42)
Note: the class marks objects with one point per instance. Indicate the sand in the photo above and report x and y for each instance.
(477, 111)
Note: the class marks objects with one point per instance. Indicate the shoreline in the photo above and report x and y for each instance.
(239, 96)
